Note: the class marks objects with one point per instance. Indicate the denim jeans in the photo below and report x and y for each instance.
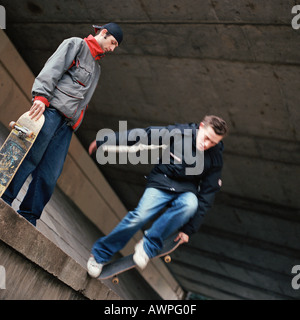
(183, 207)
(44, 161)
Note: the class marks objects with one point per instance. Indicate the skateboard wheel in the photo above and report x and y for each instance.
(167, 259)
(12, 124)
(115, 280)
(29, 134)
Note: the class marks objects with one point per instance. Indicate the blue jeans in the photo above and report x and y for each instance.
(183, 207)
(44, 161)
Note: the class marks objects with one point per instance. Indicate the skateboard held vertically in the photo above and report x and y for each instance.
(16, 146)
(112, 269)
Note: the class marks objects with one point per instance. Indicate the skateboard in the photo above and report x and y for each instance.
(112, 269)
(16, 146)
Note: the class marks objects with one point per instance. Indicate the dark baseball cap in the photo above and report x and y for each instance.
(113, 28)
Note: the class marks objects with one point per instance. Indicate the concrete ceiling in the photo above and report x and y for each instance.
(179, 61)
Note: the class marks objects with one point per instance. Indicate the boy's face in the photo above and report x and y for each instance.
(107, 43)
(206, 137)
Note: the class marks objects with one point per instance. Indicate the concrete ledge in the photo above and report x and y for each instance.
(33, 246)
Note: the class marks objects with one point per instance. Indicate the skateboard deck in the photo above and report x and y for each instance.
(16, 146)
(112, 269)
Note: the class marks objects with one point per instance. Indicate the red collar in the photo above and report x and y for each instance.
(94, 47)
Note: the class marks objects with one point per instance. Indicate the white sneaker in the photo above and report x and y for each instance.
(140, 257)
(94, 268)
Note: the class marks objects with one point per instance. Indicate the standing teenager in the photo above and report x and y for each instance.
(61, 92)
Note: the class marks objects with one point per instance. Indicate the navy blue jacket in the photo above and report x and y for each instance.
(172, 175)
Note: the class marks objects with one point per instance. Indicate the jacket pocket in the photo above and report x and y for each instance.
(66, 101)
(81, 74)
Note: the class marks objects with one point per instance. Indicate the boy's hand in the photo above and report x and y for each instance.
(184, 238)
(37, 110)
(92, 147)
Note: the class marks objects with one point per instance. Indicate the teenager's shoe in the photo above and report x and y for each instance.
(94, 268)
(140, 257)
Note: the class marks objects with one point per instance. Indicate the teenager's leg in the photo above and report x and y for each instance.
(35, 154)
(45, 175)
(183, 208)
(152, 201)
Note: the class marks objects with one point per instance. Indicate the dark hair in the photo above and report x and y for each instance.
(218, 124)
(106, 34)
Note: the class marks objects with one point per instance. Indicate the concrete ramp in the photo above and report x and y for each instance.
(35, 268)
